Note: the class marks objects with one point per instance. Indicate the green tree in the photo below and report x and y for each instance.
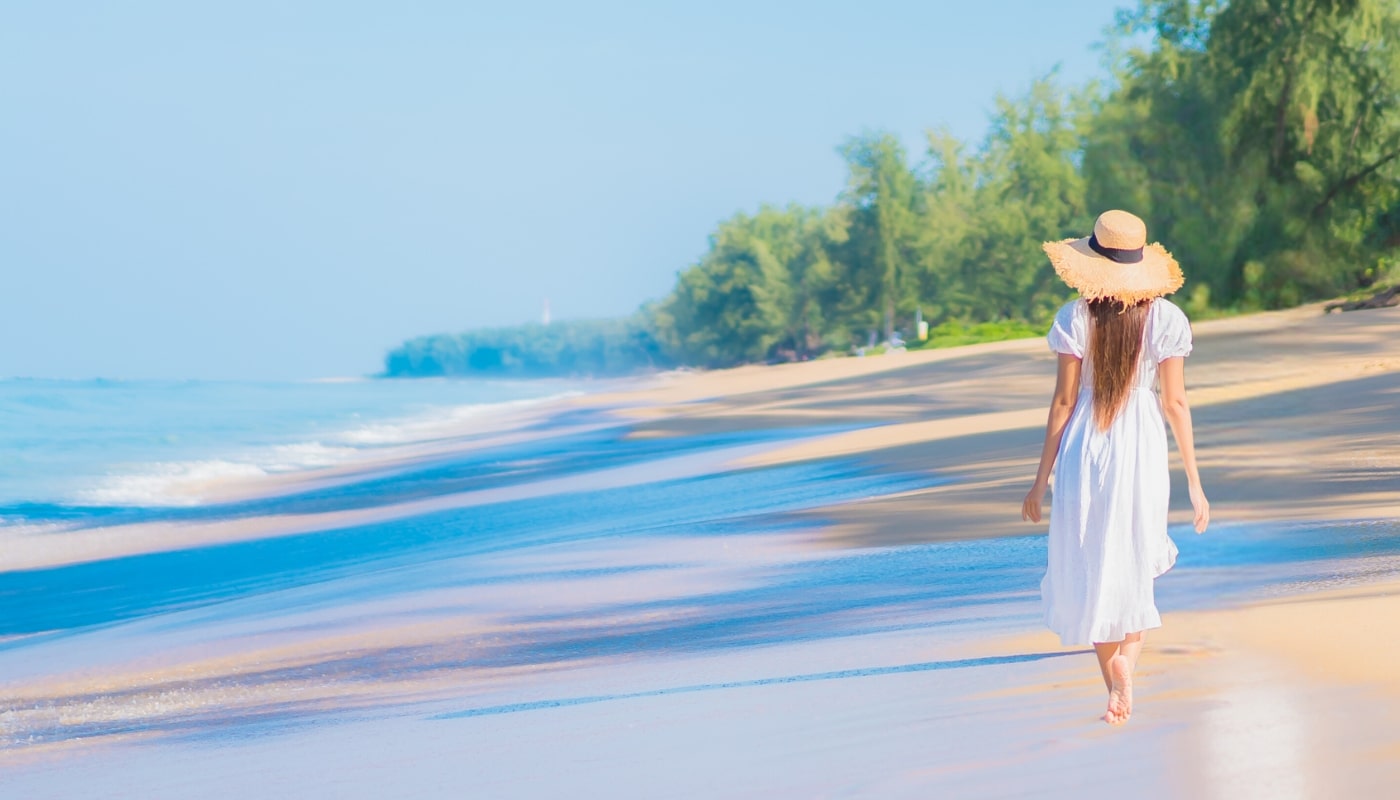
(945, 228)
(760, 292)
(1033, 192)
(882, 193)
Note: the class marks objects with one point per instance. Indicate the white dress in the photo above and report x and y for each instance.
(1108, 519)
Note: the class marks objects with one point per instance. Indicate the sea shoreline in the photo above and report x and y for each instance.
(706, 547)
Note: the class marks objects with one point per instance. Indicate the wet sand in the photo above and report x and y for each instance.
(804, 580)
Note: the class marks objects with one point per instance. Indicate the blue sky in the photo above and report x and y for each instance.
(286, 190)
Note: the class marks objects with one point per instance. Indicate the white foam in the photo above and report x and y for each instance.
(188, 483)
(438, 424)
(11, 527)
(305, 455)
(170, 483)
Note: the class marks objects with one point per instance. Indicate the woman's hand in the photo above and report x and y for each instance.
(1030, 508)
(1202, 507)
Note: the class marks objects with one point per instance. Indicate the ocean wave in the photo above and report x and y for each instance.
(305, 455)
(169, 483)
(191, 483)
(15, 527)
(440, 424)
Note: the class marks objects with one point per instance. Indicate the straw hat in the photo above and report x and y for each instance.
(1116, 261)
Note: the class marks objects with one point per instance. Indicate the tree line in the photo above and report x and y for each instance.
(1259, 139)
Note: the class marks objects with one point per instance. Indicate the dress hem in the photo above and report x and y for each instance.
(1108, 632)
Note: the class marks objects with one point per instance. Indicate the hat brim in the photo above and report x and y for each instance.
(1096, 277)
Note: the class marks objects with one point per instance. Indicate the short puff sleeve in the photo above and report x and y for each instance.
(1171, 331)
(1070, 332)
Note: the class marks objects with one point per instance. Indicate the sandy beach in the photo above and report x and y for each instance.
(1297, 419)
(797, 580)
(1294, 415)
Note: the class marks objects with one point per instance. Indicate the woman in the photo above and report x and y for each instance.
(1108, 525)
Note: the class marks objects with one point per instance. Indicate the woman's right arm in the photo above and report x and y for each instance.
(1172, 372)
(1061, 408)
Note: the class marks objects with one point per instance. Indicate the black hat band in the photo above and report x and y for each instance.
(1128, 256)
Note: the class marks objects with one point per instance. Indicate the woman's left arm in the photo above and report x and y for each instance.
(1061, 407)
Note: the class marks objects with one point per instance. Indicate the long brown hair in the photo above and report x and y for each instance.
(1115, 344)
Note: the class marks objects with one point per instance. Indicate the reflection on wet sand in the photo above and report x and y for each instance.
(1255, 742)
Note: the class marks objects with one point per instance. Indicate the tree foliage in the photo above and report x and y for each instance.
(1259, 139)
(954, 235)
(763, 288)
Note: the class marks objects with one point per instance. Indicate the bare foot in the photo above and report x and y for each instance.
(1120, 697)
